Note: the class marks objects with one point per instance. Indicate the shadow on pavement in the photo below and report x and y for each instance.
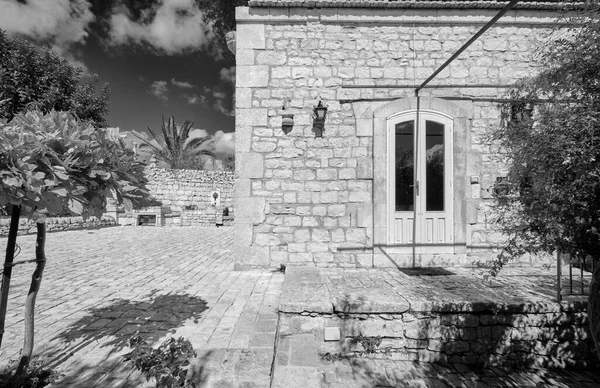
(90, 348)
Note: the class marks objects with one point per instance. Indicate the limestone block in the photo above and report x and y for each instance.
(242, 188)
(337, 210)
(357, 235)
(243, 98)
(250, 36)
(364, 168)
(244, 57)
(364, 127)
(243, 234)
(364, 214)
(251, 257)
(321, 235)
(347, 173)
(301, 257)
(250, 165)
(264, 146)
(278, 257)
(251, 117)
(250, 210)
(317, 247)
(252, 76)
(338, 235)
(270, 57)
(301, 72)
(310, 221)
(326, 174)
(281, 72)
(302, 235)
(266, 239)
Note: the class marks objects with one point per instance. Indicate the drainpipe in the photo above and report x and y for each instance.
(489, 24)
(416, 187)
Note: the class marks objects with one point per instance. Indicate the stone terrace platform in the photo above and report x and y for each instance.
(455, 317)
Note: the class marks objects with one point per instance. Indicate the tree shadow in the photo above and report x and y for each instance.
(476, 344)
(111, 326)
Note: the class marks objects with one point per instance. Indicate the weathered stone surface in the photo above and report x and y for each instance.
(252, 76)
(251, 165)
(250, 36)
(250, 210)
(304, 290)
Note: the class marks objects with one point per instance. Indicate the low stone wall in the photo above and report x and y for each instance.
(455, 316)
(521, 336)
(56, 224)
(190, 189)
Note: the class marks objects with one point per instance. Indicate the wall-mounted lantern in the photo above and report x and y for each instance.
(319, 114)
(287, 121)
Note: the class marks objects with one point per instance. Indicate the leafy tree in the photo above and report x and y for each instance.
(552, 140)
(54, 164)
(229, 163)
(174, 146)
(221, 15)
(31, 75)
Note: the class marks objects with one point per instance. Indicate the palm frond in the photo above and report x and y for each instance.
(185, 131)
(196, 143)
(166, 136)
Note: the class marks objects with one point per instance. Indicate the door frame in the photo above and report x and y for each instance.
(419, 246)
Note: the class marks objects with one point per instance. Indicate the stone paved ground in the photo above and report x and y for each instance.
(101, 286)
(367, 373)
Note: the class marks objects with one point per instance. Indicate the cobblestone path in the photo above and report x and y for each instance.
(101, 286)
(368, 373)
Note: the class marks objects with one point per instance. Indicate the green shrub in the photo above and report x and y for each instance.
(36, 376)
(168, 364)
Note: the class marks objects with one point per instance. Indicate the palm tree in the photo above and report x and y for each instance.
(174, 147)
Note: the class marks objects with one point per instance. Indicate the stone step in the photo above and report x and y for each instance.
(296, 362)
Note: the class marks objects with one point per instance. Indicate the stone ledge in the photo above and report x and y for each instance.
(304, 290)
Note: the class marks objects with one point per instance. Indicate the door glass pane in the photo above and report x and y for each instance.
(404, 165)
(434, 144)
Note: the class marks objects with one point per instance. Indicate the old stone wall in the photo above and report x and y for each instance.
(323, 201)
(532, 335)
(56, 224)
(191, 189)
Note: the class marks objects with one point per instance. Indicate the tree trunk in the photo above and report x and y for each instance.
(594, 307)
(10, 255)
(36, 280)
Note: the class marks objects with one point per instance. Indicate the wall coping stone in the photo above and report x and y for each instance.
(410, 17)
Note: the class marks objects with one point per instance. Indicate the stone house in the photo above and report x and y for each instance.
(395, 179)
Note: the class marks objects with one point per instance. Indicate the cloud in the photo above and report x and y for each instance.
(169, 26)
(160, 90)
(194, 133)
(181, 84)
(62, 23)
(228, 75)
(224, 142)
(221, 101)
(220, 107)
(195, 99)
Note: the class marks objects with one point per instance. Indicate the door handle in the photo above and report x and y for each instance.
(417, 187)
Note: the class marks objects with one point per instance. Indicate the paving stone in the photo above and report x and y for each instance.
(296, 377)
(101, 286)
(303, 350)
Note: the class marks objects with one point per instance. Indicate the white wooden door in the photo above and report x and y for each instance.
(420, 182)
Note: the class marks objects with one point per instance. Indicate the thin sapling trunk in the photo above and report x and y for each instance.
(7, 273)
(36, 280)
